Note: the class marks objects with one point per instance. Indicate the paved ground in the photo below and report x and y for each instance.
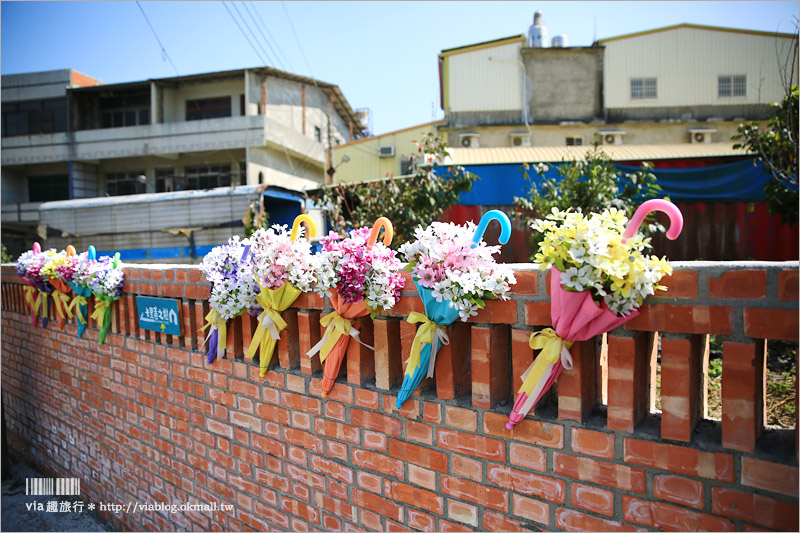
(16, 515)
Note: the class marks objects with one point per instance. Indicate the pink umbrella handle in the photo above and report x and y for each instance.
(37, 249)
(384, 223)
(665, 206)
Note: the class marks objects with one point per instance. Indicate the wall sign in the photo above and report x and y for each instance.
(158, 314)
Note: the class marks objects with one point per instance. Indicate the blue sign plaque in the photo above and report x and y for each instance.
(158, 314)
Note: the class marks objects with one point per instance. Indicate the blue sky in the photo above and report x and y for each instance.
(381, 54)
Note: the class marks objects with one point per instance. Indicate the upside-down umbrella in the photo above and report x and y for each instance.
(274, 302)
(61, 294)
(576, 317)
(80, 303)
(339, 323)
(431, 334)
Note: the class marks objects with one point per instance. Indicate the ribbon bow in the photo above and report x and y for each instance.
(41, 303)
(428, 333)
(336, 326)
(100, 307)
(552, 347)
(270, 321)
(77, 302)
(215, 320)
(63, 307)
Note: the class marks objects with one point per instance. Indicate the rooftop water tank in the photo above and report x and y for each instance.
(537, 33)
(559, 41)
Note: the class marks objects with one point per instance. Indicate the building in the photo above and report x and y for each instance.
(668, 86)
(679, 84)
(67, 136)
(380, 155)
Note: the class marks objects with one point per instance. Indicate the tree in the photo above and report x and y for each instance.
(408, 202)
(589, 185)
(776, 146)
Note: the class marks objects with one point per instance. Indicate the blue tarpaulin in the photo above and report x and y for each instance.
(740, 181)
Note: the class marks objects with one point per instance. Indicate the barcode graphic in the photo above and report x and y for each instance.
(48, 486)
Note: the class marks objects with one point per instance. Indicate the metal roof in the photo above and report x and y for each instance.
(556, 154)
(697, 27)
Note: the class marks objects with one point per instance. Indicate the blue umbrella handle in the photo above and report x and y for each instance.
(92, 252)
(245, 253)
(499, 216)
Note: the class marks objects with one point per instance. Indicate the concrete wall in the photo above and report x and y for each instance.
(35, 86)
(563, 83)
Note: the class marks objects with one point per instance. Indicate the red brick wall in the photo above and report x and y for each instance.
(143, 419)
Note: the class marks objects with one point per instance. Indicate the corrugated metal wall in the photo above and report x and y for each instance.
(687, 62)
(720, 231)
(477, 83)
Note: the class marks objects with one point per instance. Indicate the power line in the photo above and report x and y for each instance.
(258, 27)
(244, 34)
(163, 50)
(255, 37)
(299, 45)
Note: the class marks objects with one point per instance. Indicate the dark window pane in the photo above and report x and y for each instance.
(48, 188)
(144, 117)
(208, 108)
(107, 120)
(118, 119)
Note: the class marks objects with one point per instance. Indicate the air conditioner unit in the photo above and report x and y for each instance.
(520, 139)
(386, 151)
(700, 135)
(469, 140)
(611, 137)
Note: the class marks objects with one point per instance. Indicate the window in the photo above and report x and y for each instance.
(406, 166)
(124, 183)
(643, 88)
(34, 117)
(208, 108)
(728, 86)
(208, 177)
(167, 181)
(125, 110)
(317, 134)
(48, 188)
(574, 140)
(242, 173)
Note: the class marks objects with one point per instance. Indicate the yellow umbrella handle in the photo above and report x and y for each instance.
(71, 251)
(312, 227)
(384, 223)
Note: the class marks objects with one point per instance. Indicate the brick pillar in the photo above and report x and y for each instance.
(287, 348)
(388, 357)
(452, 372)
(743, 393)
(628, 377)
(489, 365)
(360, 359)
(681, 369)
(577, 388)
(308, 327)
(234, 338)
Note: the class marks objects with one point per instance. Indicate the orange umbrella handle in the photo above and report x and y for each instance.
(384, 223)
(71, 251)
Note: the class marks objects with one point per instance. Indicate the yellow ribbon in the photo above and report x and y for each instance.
(336, 326)
(58, 295)
(41, 302)
(428, 333)
(100, 307)
(270, 322)
(551, 345)
(30, 299)
(77, 302)
(215, 320)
